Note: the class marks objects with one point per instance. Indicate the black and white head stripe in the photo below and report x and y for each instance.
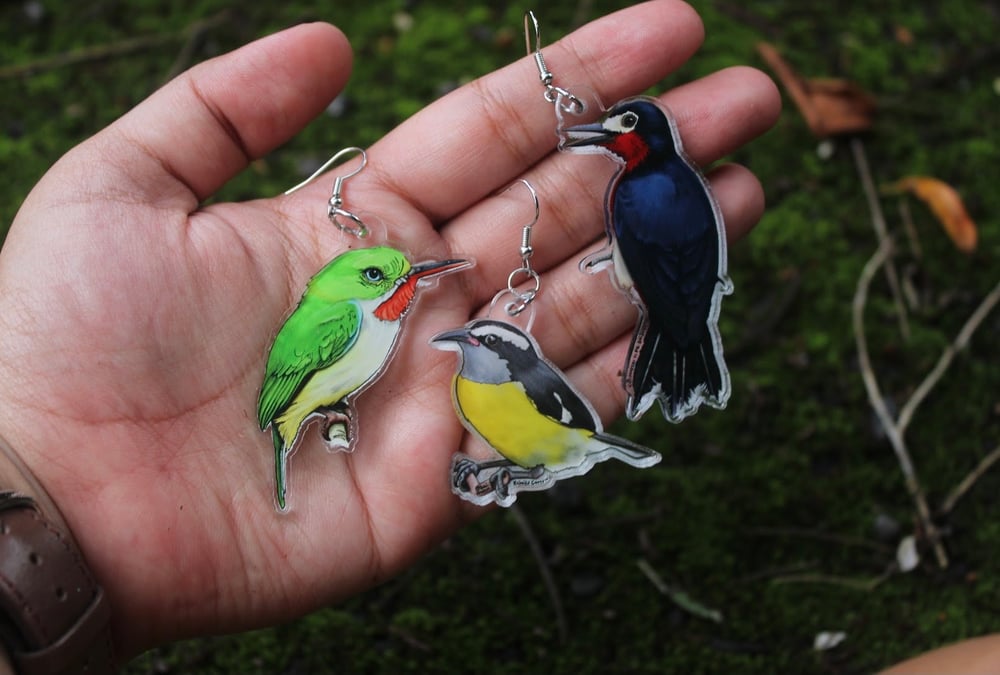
(492, 333)
(516, 354)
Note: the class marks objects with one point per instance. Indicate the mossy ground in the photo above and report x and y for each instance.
(788, 481)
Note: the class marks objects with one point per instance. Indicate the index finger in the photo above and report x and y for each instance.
(479, 137)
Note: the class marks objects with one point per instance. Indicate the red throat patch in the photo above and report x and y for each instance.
(396, 305)
(631, 148)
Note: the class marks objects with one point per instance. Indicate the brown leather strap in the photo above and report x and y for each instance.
(54, 617)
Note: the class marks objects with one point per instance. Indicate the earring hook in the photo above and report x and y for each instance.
(526, 297)
(553, 94)
(335, 210)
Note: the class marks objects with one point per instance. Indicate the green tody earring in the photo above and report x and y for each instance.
(340, 337)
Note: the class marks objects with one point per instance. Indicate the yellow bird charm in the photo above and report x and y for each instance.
(527, 411)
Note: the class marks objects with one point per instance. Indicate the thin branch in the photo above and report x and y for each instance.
(543, 567)
(947, 356)
(906, 216)
(984, 465)
(782, 571)
(843, 582)
(111, 50)
(819, 536)
(881, 232)
(679, 597)
(879, 405)
(409, 638)
(87, 54)
(195, 37)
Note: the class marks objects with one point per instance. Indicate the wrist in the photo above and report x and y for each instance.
(15, 476)
(54, 617)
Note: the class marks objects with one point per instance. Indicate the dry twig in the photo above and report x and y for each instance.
(543, 568)
(844, 582)
(878, 404)
(895, 429)
(819, 536)
(911, 231)
(961, 341)
(111, 50)
(679, 597)
(984, 465)
(881, 232)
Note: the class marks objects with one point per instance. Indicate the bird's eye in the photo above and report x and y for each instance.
(373, 274)
(490, 340)
(629, 120)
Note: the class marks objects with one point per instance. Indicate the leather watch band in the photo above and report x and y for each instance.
(54, 617)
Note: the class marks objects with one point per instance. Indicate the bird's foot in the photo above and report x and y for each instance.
(463, 475)
(336, 431)
(595, 262)
(336, 437)
(500, 482)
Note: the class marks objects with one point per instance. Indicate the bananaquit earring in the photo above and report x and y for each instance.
(340, 337)
(541, 429)
(666, 249)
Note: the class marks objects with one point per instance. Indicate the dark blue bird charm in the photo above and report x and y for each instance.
(667, 245)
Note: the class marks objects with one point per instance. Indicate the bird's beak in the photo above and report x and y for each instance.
(444, 340)
(437, 268)
(584, 135)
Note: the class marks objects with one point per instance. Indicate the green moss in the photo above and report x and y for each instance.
(797, 449)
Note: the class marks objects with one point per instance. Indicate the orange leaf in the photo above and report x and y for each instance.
(830, 106)
(946, 204)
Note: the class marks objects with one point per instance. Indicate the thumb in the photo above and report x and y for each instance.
(199, 130)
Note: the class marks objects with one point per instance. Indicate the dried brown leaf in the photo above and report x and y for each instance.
(831, 107)
(946, 205)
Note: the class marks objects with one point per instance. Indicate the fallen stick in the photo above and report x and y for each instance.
(679, 597)
(543, 568)
(881, 232)
(947, 356)
(984, 465)
(878, 404)
(112, 50)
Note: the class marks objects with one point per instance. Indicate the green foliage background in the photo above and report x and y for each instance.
(789, 481)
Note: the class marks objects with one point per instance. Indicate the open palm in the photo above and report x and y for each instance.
(134, 323)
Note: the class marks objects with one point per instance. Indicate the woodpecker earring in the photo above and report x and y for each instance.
(666, 250)
(340, 337)
(539, 426)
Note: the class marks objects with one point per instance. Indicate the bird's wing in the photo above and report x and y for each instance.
(666, 233)
(313, 337)
(555, 397)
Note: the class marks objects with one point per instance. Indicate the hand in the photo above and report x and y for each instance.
(134, 323)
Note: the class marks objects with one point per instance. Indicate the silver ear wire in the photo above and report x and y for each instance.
(335, 210)
(525, 297)
(563, 99)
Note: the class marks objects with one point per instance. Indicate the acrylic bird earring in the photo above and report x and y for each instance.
(666, 250)
(540, 428)
(340, 337)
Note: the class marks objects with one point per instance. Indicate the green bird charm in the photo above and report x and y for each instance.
(335, 343)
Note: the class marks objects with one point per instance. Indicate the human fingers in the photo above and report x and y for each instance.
(579, 315)
(716, 115)
(483, 135)
(191, 136)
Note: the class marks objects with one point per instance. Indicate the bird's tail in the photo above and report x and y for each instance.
(626, 451)
(280, 465)
(681, 379)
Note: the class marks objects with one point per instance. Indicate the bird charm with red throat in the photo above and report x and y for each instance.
(340, 337)
(667, 251)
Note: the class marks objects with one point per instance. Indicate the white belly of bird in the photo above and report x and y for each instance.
(357, 368)
(622, 276)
